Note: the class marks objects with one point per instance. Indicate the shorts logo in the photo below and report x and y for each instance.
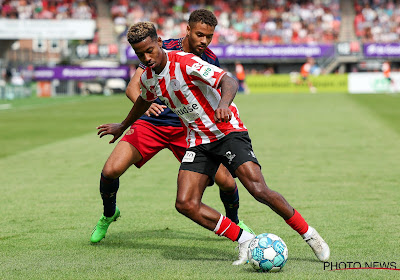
(130, 131)
(230, 156)
(175, 84)
(189, 156)
(252, 154)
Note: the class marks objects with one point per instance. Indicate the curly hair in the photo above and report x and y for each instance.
(140, 31)
(203, 16)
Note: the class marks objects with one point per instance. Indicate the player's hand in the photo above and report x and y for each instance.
(155, 109)
(222, 114)
(115, 129)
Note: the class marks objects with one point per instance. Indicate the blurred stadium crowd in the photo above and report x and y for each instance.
(377, 20)
(243, 21)
(48, 9)
(240, 21)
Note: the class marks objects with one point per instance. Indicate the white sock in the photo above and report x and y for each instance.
(308, 234)
(245, 236)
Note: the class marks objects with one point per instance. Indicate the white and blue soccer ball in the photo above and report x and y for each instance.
(267, 252)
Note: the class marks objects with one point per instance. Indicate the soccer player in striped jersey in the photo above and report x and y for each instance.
(201, 95)
(161, 128)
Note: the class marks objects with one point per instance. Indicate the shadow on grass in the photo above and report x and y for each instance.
(166, 233)
(180, 245)
(183, 245)
(305, 259)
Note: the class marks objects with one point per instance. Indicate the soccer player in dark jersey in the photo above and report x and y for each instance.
(160, 128)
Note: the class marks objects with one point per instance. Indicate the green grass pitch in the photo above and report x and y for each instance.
(336, 159)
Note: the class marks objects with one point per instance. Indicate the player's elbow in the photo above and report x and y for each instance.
(235, 84)
(128, 91)
(229, 82)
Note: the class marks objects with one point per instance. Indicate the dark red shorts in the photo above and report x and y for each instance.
(149, 139)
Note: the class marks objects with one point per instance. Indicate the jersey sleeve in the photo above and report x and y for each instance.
(148, 91)
(201, 70)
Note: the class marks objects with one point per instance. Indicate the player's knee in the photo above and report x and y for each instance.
(260, 191)
(226, 185)
(224, 180)
(186, 207)
(110, 171)
(267, 196)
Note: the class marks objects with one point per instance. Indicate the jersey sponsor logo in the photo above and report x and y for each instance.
(189, 112)
(189, 156)
(150, 82)
(206, 72)
(197, 66)
(166, 102)
(152, 89)
(175, 84)
(230, 156)
(151, 85)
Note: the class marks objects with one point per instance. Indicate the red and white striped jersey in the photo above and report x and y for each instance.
(188, 85)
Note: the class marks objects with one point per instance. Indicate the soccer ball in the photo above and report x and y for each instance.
(267, 252)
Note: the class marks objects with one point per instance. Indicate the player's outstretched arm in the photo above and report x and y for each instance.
(133, 92)
(229, 87)
(133, 88)
(117, 129)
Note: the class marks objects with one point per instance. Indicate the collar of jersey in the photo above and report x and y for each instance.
(164, 72)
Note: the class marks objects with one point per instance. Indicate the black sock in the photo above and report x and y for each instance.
(231, 204)
(239, 235)
(108, 191)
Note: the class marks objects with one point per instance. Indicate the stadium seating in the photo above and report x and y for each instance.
(377, 21)
(48, 9)
(254, 22)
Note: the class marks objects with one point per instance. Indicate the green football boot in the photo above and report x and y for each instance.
(243, 226)
(100, 230)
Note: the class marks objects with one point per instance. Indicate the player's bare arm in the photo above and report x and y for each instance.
(117, 129)
(229, 87)
(133, 92)
(133, 88)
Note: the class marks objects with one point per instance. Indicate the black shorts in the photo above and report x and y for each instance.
(232, 151)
